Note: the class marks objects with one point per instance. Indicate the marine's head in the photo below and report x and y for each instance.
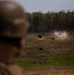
(12, 19)
(13, 27)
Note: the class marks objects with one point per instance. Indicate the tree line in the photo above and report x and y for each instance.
(50, 21)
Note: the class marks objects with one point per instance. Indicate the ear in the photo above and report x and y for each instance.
(23, 42)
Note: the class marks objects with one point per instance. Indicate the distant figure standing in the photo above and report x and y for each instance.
(13, 28)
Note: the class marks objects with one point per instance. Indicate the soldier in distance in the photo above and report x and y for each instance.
(13, 27)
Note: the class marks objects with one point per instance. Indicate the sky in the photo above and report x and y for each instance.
(46, 5)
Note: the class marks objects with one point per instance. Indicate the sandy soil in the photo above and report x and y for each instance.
(49, 72)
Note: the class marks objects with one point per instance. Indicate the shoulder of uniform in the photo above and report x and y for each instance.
(15, 70)
(4, 70)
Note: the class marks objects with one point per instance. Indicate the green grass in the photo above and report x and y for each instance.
(58, 60)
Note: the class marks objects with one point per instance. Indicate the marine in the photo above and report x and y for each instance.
(13, 28)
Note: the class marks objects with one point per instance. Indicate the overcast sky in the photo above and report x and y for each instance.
(46, 5)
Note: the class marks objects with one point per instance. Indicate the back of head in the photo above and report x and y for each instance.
(13, 21)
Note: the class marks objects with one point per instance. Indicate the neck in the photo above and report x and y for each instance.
(6, 57)
(7, 52)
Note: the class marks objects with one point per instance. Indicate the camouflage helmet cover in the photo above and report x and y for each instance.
(13, 21)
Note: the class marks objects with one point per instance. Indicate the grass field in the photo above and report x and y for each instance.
(59, 60)
(47, 54)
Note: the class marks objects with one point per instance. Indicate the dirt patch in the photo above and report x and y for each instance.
(49, 72)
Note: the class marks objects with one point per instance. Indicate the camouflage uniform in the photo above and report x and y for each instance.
(10, 70)
(13, 24)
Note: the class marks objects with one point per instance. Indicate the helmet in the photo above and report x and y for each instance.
(13, 21)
